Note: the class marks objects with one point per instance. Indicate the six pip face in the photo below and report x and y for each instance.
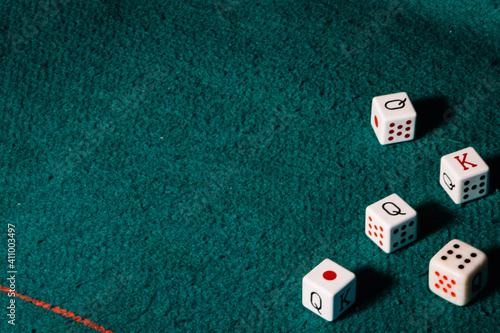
(393, 118)
(391, 223)
(458, 272)
(464, 175)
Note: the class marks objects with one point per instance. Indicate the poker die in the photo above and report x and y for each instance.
(464, 175)
(393, 118)
(458, 272)
(391, 223)
(329, 290)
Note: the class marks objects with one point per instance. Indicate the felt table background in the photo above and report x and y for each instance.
(179, 166)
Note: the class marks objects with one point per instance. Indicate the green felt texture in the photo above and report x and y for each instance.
(179, 166)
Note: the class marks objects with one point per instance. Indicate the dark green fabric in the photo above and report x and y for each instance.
(179, 166)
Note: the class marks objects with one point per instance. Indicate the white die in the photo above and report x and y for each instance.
(393, 118)
(458, 272)
(328, 290)
(464, 175)
(391, 223)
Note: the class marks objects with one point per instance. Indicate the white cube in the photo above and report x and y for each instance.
(393, 118)
(458, 272)
(328, 290)
(464, 175)
(391, 223)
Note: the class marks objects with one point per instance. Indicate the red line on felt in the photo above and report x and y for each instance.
(56, 309)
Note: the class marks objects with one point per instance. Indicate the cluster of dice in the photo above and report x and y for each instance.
(457, 273)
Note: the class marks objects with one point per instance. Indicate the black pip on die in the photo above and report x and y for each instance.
(391, 223)
(328, 290)
(393, 118)
(458, 272)
(464, 175)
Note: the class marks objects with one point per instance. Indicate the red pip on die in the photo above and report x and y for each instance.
(393, 118)
(329, 290)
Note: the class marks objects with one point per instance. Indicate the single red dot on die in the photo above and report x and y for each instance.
(369, 232)
(437, 285)
(441, 281)
(445, 290)
(376, 228)
(407, 136)
(376, 121)
(391, 132)
(390, 138)
(369, 225)
(392, 125)
(437, 273)
(381, 244)
(381, 236)
(445, 277)
(453, 282)
(399, 134)
(381, 229)
(369, 218)
(400, 126)
(329, 275)
(453, 294)
(375, 234)
(448, 285)
(408, 122)
(408, 128)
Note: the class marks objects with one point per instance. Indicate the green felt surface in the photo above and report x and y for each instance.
(179, 166)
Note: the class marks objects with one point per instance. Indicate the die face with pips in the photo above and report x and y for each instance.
(391, 223)
(458, 272)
